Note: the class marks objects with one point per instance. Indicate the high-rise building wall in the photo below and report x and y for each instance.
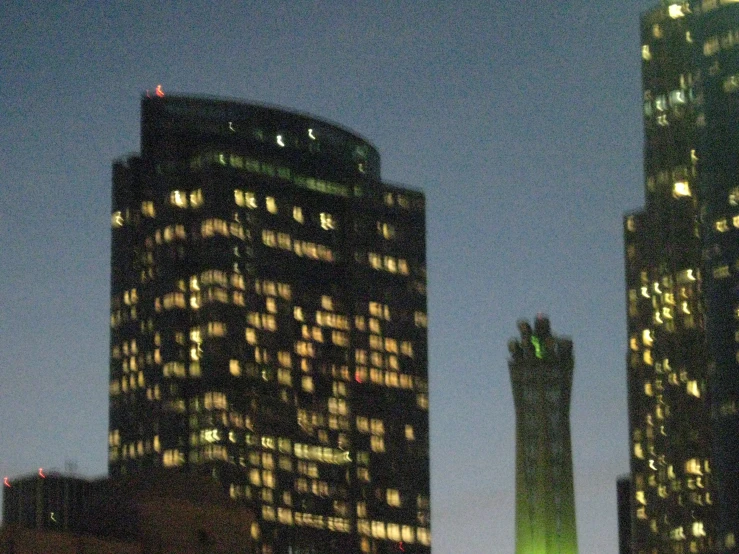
(669, 420)
(681, 275)
(623, 497)
(716, 33)
(541, 367)
(268, 324)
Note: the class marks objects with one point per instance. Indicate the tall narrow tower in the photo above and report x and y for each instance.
(541, 375)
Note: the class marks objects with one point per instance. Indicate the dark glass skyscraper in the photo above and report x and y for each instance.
(667, 362)
(681, 254)
(716, 33)
(268, 324)
(541, 367)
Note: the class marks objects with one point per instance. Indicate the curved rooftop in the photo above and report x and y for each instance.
(269, 129)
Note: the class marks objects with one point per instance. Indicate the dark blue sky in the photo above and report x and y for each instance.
(520, 121)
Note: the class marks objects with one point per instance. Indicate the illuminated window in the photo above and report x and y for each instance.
(195, 369)
(386, 230)
(721, 272)
(420, 319)
(245, 199)
(681, 189)
(284, 377)
(393, 497)
(172, 458)
(363, 424)
(269, 238)
(390, 264)
(375, 260)
(409, 433)
(271, 205)
(116, 219)
(675, 11)
(646, 54)
(216, 329)
(693, 467)
(327, 221)
(377, 426)
(711, 46)
(178, 198)
(196, 198)
(147, 209)
(298, 214)
(422, 401)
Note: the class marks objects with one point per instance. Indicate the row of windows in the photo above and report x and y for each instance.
(708, 5)
(128, 350)
(391, 377)
(726, 41)
(266, 169)
(391, 264)
(393, 532)
(248, 199)
(301, 248)
(724, 224)
(178, 199)
(675, 99)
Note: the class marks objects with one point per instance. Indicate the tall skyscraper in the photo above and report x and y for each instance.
(716, 33)
(681, 254)
(667, 362)
(268, 324)
(541, 367)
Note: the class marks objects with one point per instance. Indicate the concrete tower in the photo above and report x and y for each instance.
(541, 375)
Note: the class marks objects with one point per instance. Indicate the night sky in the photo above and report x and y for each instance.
(520, 121)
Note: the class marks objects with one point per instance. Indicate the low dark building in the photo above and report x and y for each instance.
(163, 512)
(50, 502)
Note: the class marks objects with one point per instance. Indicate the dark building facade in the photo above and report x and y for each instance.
(268, 324)
(667, 361)
(50, 502)
(159, 512)
(716, 32)
(541, 367)
(623, 497)
(681, 312)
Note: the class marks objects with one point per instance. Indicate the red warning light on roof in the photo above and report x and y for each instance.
(41, 473)
(159, 91)
(6, 482)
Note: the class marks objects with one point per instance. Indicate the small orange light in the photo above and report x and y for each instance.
(41, 473)
(159, 91)
(6, 482)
